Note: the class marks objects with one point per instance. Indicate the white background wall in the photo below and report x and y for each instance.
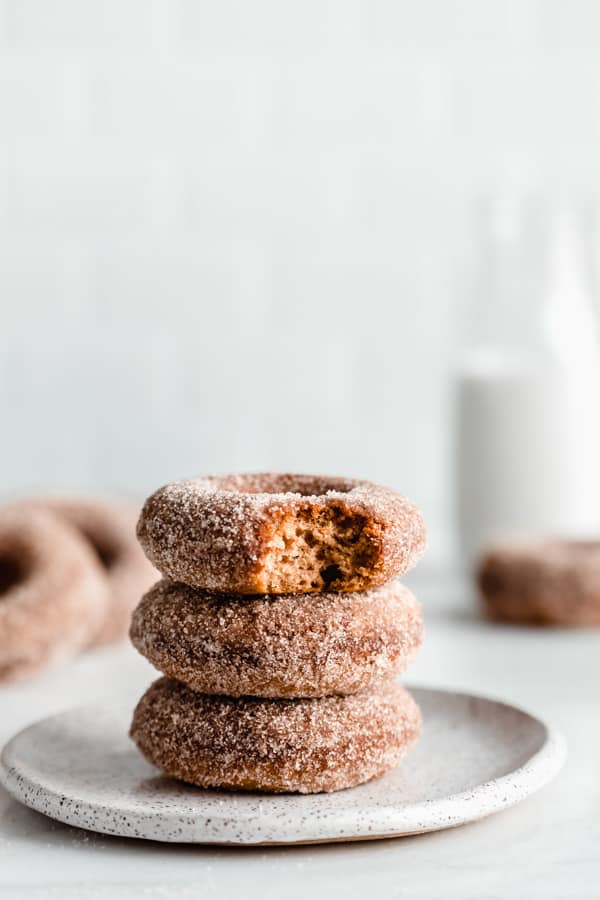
(233, 233)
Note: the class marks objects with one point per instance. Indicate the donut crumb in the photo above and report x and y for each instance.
(319, 550)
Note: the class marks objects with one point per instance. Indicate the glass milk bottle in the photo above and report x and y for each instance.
(528, 393)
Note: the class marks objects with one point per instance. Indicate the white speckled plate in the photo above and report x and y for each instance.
(475, 757)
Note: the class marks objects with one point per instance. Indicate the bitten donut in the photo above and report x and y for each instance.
(277, 534)
(305, 746)
(109, 527)
(52, 591)
(542, 582)
(290, 645)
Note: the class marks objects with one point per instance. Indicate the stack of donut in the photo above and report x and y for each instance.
(279, 629)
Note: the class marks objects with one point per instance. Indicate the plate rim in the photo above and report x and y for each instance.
(470, 804)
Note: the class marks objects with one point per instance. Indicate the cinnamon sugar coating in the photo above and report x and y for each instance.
(52, 591)
(279, 533)
(288, 645)
(305, 746)
(542, 582)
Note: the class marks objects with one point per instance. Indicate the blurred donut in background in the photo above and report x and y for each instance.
(544, 581)
(53, 592)
(109, 528)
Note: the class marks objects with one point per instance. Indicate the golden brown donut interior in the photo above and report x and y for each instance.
(319, 549)
(314, 547)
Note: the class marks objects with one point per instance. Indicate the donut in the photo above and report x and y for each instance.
(109, 527)
(280, 534)
(52, 592)
(287, 645)
(248, 743)
(545, 581)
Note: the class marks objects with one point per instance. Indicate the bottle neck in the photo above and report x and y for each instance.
(534, 305)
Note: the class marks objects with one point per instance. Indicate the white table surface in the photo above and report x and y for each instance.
(547, 847)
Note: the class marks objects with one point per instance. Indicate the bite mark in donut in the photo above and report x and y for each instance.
(319, 550)
(280, 533)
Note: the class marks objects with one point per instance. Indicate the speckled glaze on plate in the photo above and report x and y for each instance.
(475, 757)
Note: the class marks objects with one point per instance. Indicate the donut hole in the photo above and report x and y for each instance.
(107, 555)
(491, 583)
(11, 573)
(270, 483)
(319, 550)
